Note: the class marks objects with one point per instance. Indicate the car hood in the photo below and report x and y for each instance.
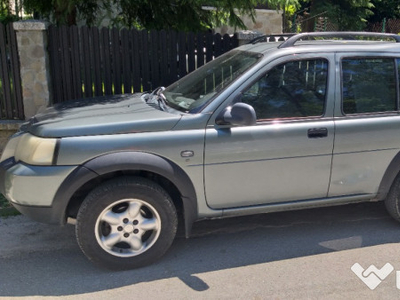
(98, 116)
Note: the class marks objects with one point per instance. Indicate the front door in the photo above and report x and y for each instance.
(287, 155)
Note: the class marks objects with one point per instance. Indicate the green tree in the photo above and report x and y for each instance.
(66, 12)
(389, 9)
(189, 15)
(149, 14)
(345, 14)
(288, 7)
(10, 11)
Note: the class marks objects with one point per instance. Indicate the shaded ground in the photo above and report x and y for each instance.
(302, 254)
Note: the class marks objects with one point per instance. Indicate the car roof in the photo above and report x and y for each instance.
(328, 42)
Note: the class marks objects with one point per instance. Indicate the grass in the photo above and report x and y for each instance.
(6, 209)
(4, 202)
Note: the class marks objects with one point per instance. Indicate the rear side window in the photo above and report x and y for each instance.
(368, 85)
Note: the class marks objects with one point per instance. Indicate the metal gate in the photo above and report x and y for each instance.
(87, 62)
(11, 104)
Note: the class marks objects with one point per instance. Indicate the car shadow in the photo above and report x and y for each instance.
(215, 245)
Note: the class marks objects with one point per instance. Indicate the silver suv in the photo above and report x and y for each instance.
(310, 121)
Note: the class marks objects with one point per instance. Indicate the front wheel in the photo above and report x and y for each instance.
(126, 223)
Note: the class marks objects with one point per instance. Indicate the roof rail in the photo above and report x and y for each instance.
(346, 35)
(275, 37)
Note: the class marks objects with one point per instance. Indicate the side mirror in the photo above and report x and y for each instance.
(240, 114)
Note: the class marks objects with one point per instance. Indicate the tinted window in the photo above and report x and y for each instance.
(368, 85)
(293, 89)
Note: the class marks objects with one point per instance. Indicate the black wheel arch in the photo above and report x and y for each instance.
(119, 164)
(392, 171)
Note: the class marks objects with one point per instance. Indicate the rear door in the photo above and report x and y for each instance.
(367, 123)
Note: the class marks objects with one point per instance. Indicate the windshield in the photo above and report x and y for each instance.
(193, 92)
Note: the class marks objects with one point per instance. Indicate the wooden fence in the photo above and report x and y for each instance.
(11, 106)
(87, 62)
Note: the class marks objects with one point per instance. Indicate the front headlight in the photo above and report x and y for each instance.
(34, 150)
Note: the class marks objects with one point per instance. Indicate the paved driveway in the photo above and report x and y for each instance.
(293, 255)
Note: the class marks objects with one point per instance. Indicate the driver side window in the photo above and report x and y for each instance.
(290, 90)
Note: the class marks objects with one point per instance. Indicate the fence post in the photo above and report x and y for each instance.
(34, 65)
(384, 25)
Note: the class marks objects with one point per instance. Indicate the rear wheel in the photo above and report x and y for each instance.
(392, 201)
(126, 223)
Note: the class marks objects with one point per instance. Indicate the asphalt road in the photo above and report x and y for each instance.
(293, 255)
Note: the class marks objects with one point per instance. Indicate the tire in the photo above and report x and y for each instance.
(392, 201)
(126, 223)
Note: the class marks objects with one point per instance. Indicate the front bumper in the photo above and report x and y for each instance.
(31, 189)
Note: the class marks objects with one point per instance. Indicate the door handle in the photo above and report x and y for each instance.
(315, 133)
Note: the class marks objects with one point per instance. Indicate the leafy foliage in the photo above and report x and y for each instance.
(191, 15)
(66, 12)
(188, 15)
(6, 210)
(389, 9)
(289, 8)
(9, 11)
(3, 202)
(346, 14)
